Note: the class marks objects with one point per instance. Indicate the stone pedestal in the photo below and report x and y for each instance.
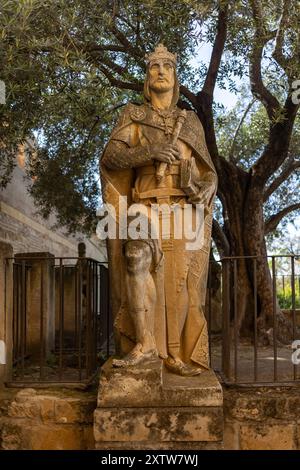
(147, 407)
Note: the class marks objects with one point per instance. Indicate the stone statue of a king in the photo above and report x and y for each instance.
(157, 157)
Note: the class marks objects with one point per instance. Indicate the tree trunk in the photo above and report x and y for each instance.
(254, 240)
(241, 194)
(244, 228)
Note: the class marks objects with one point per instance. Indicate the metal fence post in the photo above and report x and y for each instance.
(226, 369)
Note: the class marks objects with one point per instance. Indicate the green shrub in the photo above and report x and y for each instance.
(285, 297)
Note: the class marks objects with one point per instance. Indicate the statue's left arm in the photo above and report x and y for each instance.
(198, 175)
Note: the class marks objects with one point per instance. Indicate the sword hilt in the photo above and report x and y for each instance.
(161, 170)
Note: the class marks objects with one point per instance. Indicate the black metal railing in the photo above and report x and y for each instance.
(252, 343)
(61, 325)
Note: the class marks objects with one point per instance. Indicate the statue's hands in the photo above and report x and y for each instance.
(167, 153)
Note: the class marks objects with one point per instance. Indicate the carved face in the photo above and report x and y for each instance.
(161, 76)
(138, 256)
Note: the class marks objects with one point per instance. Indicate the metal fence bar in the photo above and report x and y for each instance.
(16, 315)
(104, 305)
(61, 317)
(209, 312)
(23, 317)
(255, 316)
(76, 305)
(79, 290)
(88, 319)
(293, 308)
(226, 319)
(235, 320)
(96, 280)
(93, 319)
(274, 318)
(42, 356)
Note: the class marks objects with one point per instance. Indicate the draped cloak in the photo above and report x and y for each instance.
(139, 125)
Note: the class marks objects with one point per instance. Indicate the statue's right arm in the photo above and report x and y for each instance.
(119, 156)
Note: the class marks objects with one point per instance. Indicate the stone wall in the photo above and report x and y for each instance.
(262, 419)
(27, 232)
(255, 419)
(46, 420)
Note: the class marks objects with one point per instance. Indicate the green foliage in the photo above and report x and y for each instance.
(285, 298)
(69, 66)
(242, 133)
(54, 63)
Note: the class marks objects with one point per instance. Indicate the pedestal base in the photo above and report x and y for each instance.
(147, 407)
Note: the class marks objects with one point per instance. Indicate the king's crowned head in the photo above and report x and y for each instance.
(161, 53)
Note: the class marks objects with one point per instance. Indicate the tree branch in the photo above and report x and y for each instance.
(189, 95)
(220, 239)
(119, 83)
(286, 172)
(105, 47)
(217, 52)
(261, 37)
(204, 105)
(134, 51)
(232, 149)
(273, 221)
(258, 15)
(278, 51)
(276, 151)
(119, 69)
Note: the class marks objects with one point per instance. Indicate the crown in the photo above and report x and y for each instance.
(161, 52)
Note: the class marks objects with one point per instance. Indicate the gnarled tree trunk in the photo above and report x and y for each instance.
(244, 227)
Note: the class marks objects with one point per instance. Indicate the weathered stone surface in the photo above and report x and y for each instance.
(231, 436)
(293, 406)
(10, 435)
(87, 408)
(74, 410)
(67, 411)
(23, 434)
(134, 386)
(25, 394)
(47, 408)
(297, 437)
(54, 438)
(159, 424)
(88, 438)
(201, 390)
(245, 408)
(159, 446)
(26, 409)
(267, 437)
(149, 405)
(152, 385)
(262, 405)
(50, 419)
